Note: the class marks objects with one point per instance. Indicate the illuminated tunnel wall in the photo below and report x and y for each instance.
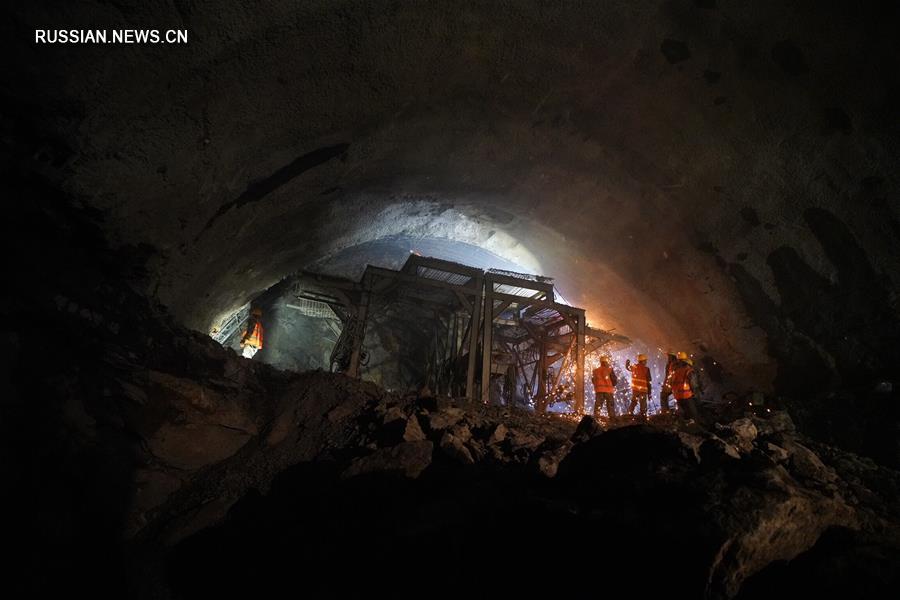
(734, 199)
(299, 341)
(713, 176)
(291, 336)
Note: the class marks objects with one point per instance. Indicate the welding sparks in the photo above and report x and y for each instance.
(623, 394)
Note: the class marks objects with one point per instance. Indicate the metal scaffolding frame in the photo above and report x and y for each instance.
(454, 294)
(512, 320)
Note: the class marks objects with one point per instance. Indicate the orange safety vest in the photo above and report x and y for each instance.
(640, 378)
(255, 338)
(670, 366)
(680, 382)
(602, 378)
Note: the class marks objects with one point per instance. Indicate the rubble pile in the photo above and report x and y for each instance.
(219, 456)
(148, 458)
(214, 443)
(712, 506)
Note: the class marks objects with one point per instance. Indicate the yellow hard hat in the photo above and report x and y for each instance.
(256, 312)
(689, 361)
(642, 357)
(682, 356)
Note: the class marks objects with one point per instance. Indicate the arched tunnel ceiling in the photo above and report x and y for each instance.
(651, 156)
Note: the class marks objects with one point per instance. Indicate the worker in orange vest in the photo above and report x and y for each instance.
(252, 339)
(640, 384)
(666, 391)
(604, 380)
(685, 386)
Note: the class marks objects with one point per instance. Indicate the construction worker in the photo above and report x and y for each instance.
(252, 339)
(640, 384)
(685, 386)
(604, 380)
(666, 391)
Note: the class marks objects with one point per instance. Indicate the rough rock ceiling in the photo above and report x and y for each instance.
(680, 167)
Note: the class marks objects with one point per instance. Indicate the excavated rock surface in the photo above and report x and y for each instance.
(145, 460)
(713, 508)
(198, 463)
(722, 504)
(724, 172)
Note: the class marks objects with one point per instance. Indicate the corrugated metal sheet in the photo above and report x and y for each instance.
(313, 308)
(445, 276)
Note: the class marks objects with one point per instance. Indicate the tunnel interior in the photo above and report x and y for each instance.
(709, 177)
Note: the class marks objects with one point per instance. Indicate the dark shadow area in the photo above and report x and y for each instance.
(258, 190)
(478, 531)
(843, 564)
(66, 474)
(717, 179)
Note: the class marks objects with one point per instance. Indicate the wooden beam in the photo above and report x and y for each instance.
(562, 368)
(498, 310)
(439, 264)
(410, 293)
(358, 336)
(540, 398)
(466, 331)
(579, 366)
(552, 360)
(467, 306)
(487, 342)
(559, 347)
(544, 288)
(562, 309)
(594, 346)
(474, 323)
(498, 335)
(468, 288)
(535, 332)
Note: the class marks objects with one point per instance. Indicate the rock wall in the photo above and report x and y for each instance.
(145, 460)
(707, 175)
(702, 175)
